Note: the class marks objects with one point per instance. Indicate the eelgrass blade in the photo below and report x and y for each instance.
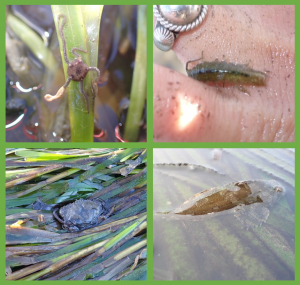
(78, 34)
(138, 88)
(32, 174)
(44, 183)
(90, 173)
(47, 254)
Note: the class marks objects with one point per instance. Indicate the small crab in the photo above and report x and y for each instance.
(77, 69)
(82, 214)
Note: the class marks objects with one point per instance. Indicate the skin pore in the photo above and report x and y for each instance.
(191, 111)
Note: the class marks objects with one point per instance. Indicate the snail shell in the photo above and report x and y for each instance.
(163, 38)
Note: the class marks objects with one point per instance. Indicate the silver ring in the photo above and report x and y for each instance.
(174, 19)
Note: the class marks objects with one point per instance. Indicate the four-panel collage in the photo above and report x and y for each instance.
(215, 83)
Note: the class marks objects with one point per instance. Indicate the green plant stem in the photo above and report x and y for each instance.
(138, 88)
(32, 41)
(75, 31)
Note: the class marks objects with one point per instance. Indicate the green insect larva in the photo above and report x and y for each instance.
(226, 72)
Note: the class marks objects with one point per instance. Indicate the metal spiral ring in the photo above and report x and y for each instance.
(180, 28)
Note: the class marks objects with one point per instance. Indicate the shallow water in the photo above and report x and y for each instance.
(28, 80)
(216, 247)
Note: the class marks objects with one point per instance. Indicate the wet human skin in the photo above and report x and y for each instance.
(187, 110)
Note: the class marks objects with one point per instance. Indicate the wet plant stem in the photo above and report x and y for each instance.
(138, 88)
(78, 20)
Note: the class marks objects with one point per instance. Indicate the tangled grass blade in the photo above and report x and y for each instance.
(42, 245)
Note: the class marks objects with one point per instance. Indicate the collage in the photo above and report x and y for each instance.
(206, 99)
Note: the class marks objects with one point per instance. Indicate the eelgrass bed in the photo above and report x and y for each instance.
(39, 248)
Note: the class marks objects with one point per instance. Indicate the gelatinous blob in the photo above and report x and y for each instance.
(247, 200)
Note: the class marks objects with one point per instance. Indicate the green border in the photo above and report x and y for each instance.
(149, 144)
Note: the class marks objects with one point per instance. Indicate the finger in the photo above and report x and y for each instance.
(248, 41)
(187, 110)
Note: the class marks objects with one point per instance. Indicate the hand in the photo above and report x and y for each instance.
(188, 110)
